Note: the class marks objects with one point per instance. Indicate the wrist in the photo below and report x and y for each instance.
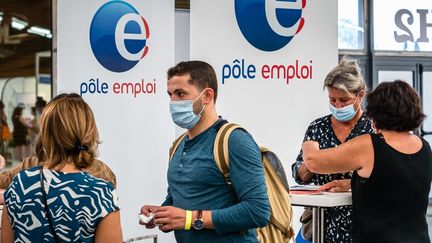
(198, 222)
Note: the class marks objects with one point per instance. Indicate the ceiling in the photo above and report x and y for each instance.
(18, 48)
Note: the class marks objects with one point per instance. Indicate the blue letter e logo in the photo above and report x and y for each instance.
(269, 25)
(118, 36)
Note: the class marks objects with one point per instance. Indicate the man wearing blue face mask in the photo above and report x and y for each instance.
(199, 206)
(346, 89)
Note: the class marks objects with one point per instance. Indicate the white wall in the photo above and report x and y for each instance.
(136, 131)
(274, 112)
(182, 45)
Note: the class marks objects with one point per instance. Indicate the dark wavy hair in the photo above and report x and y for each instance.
(395, 106)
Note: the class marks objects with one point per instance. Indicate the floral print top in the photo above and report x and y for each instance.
(338, 220)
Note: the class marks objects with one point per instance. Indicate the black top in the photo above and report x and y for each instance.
(337, 220)
(390, 206)
(20, 132)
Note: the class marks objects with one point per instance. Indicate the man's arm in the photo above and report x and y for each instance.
(247, 176)
(248, 181)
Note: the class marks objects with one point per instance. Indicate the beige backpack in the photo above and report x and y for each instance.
(279, 230)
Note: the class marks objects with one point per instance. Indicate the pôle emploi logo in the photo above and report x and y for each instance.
(118, 36)
(268, 25)
(118, 39)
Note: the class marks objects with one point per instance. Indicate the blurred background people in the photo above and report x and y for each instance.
(20, 133)
(33, 129)
(5, 132)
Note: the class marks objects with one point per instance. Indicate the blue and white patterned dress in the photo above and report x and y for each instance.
(77, 203)
(337, 220)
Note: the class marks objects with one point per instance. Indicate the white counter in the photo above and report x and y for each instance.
(318, 202)
(323, 199)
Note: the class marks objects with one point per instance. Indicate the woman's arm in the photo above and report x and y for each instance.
(109, 229)
(356, 154)
(300, 172)
(7, 234)
(304, 174)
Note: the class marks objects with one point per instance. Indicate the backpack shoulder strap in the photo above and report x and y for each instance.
(220, 149)
(175, 145)
(264, 149)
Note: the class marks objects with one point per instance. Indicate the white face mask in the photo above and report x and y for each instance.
(182, 113)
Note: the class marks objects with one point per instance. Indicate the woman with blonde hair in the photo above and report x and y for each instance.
(59, 201)
(346, 89)
(392, 168)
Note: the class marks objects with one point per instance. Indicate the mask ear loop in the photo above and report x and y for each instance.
(199, 96)
(199, 114)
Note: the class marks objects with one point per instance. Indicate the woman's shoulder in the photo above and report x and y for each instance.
(28, 172)
(364, 124)
(320, 122)
(102, 190)
(82, 183)
(96, 181)
(101, 170)
(24, 181)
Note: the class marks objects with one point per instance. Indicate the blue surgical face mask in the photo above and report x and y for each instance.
(345, 113)
(182, 113)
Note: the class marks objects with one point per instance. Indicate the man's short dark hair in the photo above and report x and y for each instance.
(395, 106)
(202, 74)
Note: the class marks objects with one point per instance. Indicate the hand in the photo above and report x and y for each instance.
(146, 210)
(170, 218)
(337, 186)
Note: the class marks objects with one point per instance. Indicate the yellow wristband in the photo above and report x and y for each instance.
(188, 222)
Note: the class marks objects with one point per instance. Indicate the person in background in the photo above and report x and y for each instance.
(3, 140)
(199, 206)
(392, 168)
(33, 129)
(39, 105)
(20, 133)
(346, 89)
(67, 203)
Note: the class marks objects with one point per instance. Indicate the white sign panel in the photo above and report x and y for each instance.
(271, 58)
(116, 54)
(400, 26)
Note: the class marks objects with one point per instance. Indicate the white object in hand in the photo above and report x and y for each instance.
(146, 219)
